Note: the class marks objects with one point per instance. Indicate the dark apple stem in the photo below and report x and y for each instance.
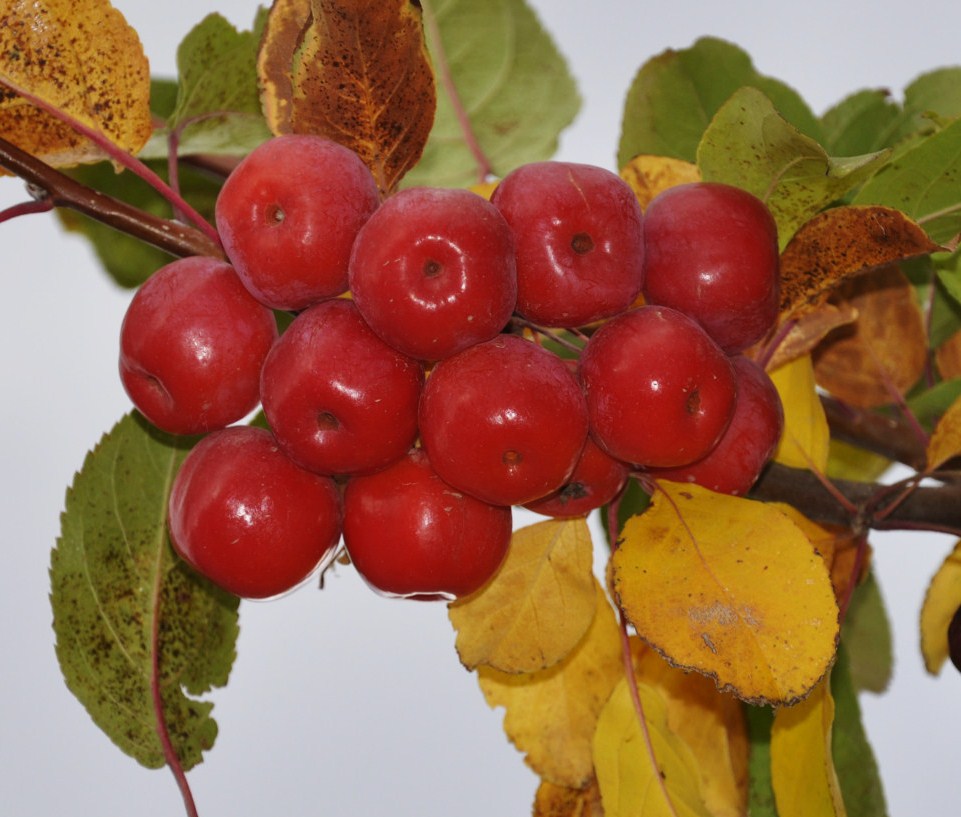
(447, 81)
(127, 160)
(51, 188)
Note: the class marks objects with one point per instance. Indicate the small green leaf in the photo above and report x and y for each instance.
(924, 183)
(933, 95)
(674, 96)
(928, 405)
(218, 108)
(760, 788)
(750, 145)
(866, 635)
(124, 604)
(853, 757)
(513, 83)
(863, 122)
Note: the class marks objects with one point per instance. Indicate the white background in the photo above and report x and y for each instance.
(342, 703)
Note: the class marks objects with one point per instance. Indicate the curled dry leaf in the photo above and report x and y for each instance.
(551, 715)
(802, 767)
(805, 331)
(650, 175)
(355, 71)
(945, 442)
(941, 601)
(538, 605)
(731, 588)
(878, 358)
(81, 57)
(839, 244)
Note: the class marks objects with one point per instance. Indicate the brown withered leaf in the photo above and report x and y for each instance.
(355, 71)
(81, 57)
(808, 330)
(650, 175)
(881, 355)
(948, 357)
(560, 801)
(841, 243)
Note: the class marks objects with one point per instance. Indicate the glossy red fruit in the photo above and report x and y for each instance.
(339, 399)
(504, 421)
(596, 480)
(659, 391)
(192, 343)
(246, 517)
(409, 533)
(711, 251)
(288, 215)
(432, 271)
(735, 463)
(579, 240)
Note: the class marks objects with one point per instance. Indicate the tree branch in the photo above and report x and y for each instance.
(61, 191)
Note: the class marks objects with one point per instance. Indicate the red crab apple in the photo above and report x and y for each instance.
(249, 519)
(339, 399)
(579, 241)
(411, 534)
(735, 463)
(504, 420)
(192, 344)
(432, 271)
(711, 251)
(288, 215)
(659, 391)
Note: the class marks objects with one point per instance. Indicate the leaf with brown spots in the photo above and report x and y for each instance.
(729, 587)
(355, 71)
(878, 358)
(560, 801)
(807, 330)
(650, 175)
(839, 244)
(81, 57)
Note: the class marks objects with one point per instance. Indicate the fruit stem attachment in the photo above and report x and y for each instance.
(450, 88)
(51, 188)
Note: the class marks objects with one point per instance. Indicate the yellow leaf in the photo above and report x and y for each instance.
(945, 442)
(538, 605)
(802, 769)
(355, 71)
(630, 782)
(561, 801)
(806, 437)
(81, 57)
(941, 601)
(650, 175)
(713, 726)
(551, 715)
(729, 587)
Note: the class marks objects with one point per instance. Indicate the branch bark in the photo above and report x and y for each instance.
(61, 191)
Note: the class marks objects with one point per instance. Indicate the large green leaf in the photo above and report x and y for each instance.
(853, 757)
(867, 638)
(750, 145)
(217, 108)
(128, 615)
(674, 96)
(924, 183)
(863, 122)
(514, 85)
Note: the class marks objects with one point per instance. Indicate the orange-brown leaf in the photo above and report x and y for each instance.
(538, 605)
(880, 356)
(807, 330)
(551, 715)
(729, 587)
(948, 357)
(650, 175)
(81, 57)
(355, 71)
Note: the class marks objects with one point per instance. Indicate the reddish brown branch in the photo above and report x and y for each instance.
(888, 435)
(61, 191)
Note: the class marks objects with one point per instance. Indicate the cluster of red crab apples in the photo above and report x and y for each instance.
(444, 358)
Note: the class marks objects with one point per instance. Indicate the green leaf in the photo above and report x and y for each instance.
(933, 95)
(675, 94)
(128, 260)
(124, 603)
(750, 145)
(923, 182)
(930, 404)
(512, 81)
(866, 635)
(218, 99)
(854, 759)
(760, 788)
(863, 122)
